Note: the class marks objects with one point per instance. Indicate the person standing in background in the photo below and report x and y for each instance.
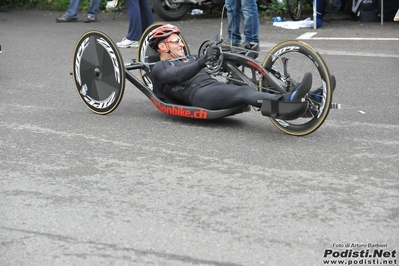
(248, 9)
(140, 17)
(71, 15)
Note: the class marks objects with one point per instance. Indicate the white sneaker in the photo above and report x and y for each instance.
(126, 43)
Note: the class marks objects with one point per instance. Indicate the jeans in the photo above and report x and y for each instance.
(248, 9)
(73, 8)
(140, 17)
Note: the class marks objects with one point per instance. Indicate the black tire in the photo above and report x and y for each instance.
(302, 58)
(294, 8)
(168, 10)
(145, 53)
(98, 72)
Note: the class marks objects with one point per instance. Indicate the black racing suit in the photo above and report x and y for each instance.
(185, 82)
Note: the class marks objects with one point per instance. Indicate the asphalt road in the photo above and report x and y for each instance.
(137, 187)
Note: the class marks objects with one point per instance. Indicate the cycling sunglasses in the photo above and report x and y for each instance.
(175, 41)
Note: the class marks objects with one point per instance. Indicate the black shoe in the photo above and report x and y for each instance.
(226, 46)
(64, 18)
(316, 94)
(90, 19)
(251, 46)
(252, 49)
(301, 90)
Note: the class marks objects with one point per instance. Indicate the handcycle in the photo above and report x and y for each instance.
(100, 74)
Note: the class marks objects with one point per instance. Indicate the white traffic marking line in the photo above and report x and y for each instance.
(309, 36)
(346, 53)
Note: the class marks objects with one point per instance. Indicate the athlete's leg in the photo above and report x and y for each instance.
(221, 95)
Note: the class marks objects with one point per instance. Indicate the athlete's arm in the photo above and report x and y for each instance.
(165, 73)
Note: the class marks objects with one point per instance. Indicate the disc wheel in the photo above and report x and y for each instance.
(288, 62)
(294, 9)
(98, 72)
(145, 54)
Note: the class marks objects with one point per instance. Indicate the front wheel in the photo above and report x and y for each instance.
(168, 10)
(288, 62)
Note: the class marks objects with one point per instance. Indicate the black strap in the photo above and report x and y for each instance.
(274, 111)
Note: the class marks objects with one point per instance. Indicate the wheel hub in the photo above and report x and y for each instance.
(97, 73)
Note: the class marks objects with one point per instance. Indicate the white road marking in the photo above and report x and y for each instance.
(309, 36)
(353, 53)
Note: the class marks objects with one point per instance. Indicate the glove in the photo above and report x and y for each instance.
(212, 54)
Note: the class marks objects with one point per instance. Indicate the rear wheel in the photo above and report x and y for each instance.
(98, 72)
(288, 62)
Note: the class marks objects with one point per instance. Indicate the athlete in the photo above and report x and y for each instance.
(183, 80)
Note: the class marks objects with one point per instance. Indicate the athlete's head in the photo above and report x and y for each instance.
(165, 40)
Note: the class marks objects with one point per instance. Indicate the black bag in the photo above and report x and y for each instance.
(368, 5)
(365, 5)
(368, 16)
(366, 10)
